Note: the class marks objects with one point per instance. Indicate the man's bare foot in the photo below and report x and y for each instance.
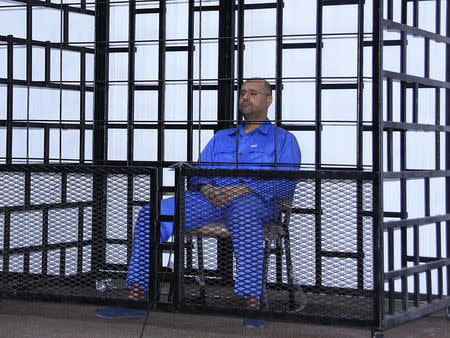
(253, 303)
(135, 293)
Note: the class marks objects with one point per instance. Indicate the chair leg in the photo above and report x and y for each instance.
(289, 269)
(201, 269)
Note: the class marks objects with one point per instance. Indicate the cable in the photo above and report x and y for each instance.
(153, 303)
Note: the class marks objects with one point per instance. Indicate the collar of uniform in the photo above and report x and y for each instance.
(263, 128)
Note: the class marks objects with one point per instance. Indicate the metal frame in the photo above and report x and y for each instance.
(390, 306)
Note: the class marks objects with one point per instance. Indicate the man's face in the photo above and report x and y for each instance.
(254, 100)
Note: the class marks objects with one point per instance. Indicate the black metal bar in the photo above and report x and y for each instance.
(404, 223)
(279, 68)
(131, 79)
(190, 84)
(6, 246)
(49, 4)
(447, 142)
(377, 151)
(162, 81)
(80, 235)
(398, 126)
(299, 45)
(82, 106)
(29, 45)
(408, 271)
(9, 100)
(415, 31)
(65, 24)
(225, 93)
(416, 80)
(101, 77)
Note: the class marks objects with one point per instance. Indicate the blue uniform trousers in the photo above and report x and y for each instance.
(244, 216)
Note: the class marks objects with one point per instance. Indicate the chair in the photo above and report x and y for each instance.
(276, 235)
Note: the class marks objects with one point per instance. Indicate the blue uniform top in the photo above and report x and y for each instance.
(253, 150)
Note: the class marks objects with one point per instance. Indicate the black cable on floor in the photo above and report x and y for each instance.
(153, 303)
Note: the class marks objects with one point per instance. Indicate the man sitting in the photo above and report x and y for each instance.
(243, 204)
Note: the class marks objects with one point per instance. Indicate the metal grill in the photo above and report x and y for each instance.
(67, 231)
(306, 252)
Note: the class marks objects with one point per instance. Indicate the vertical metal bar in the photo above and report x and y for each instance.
(64, 187)
(438, 16)
(190, 85)
(279, 68)
(390, 9)
(130, 214)
(377, 149)
(415, 13)
(155, 232)
(101, 60)
(46, 144)
(390, 253)
(179, 238)
(403, 192)
(9, 99)
(82, 148)
(415, 104)
(44, 257)
(389, 114)
(318, 141)
(447, 142)
(6, 246)
(161, 82)
(360, 149)
(427, 58)
(80, 233)
(416, 262)
(29, 45)
(65, 25)
(47, 62)
(318, 130)
(131, 79)
(225, 105)
(240, 50)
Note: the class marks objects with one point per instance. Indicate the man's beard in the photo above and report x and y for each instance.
(246, 109)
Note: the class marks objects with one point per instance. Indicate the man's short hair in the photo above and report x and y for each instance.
(267, 86)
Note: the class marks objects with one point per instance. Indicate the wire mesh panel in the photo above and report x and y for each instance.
(300, 243)
(67, 231)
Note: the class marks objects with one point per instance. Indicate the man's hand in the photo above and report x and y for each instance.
(222, 195)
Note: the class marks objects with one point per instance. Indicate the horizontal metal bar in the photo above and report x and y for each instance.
(147, 11)
(422, 259)
(414, 221)
(385, 43)
(75, 168)
(246, 6)
(293, 174)
(55, 45)
(415, 79)
(120, 49)
(50, 125)
(415, 174)
(414, 126)
(415, 31)
(146, 87)
(50, 206)
(46, 247)
(299, 45)
(415, 312)
(416, 269)
(42, 84)
(177, 48)
(339, 86)
(341, 254)
(339, 2)
(49, 4)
